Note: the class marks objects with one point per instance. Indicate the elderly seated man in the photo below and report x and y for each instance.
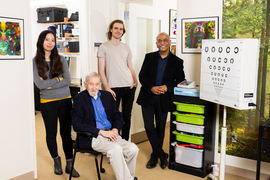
(95, 111)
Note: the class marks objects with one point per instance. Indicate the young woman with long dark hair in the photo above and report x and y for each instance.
(52, 77)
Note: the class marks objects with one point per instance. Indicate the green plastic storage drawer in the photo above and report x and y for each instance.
(189, 118)
(188, 138)
(191, 108)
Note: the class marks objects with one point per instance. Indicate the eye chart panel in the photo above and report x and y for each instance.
(229, 72)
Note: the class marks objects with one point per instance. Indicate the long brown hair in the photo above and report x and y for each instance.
(109, 33)
(55, 63)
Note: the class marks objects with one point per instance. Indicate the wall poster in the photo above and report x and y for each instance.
(194, 30)
(173, 24)
(11, 38)
(173, 48)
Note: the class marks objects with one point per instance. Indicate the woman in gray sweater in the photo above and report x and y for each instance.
(52, 77)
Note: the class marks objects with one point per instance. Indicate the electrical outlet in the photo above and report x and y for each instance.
(234, 137)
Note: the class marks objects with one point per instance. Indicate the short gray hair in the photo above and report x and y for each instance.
(92, 74)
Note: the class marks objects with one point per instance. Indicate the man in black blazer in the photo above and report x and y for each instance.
(95, 111)
(160, 73)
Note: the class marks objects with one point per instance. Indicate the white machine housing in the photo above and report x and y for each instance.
(229, 69)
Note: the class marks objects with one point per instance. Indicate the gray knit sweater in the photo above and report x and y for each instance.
(59, 89)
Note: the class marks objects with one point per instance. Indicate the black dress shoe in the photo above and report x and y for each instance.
(135, 178)
(152, 163)
(164, 161)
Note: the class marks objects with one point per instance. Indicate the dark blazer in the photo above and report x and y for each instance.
(83, 115)
(173, 75)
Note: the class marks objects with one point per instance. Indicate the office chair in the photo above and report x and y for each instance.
(93, 152)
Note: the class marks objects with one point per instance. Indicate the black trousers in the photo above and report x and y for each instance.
(51, 111)
(155, 132)
(127, 96)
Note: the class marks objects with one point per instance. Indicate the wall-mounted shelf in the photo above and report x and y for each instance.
(69, 53)
(61, 22)
(68, 38)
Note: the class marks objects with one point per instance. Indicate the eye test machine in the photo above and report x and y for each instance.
(229, 69)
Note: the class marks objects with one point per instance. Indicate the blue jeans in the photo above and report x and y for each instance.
(127, 96)
(51, 111)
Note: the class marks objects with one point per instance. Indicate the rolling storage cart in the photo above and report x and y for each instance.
(192, 135)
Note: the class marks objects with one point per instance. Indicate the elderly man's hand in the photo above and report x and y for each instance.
(111, 135)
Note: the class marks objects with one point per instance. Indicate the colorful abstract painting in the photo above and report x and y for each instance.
(11, 38)
(173, 48)
(173, 23)
(195, 30)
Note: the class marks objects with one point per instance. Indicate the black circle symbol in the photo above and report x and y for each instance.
(236, 50)
(225, 60)
(210, 67)
(228, 49)
(220, 49)
(206, 49)
(219, 60)
(231, 60)
(208, 59)
(214, 59)
(213, 49)
(228, 68)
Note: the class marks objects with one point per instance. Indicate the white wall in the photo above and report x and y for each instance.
(17, 129)
(102, 13)
(172, 4)
(194, 9)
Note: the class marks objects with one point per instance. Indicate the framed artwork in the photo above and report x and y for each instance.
(173, 23)
(11, 38)
(194, 30)
(173, 48)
